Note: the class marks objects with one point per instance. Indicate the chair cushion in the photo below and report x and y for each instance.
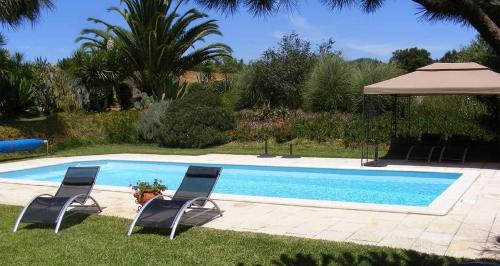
(78, 181)
(198, 171)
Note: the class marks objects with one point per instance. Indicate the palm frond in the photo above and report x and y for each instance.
(14, 12)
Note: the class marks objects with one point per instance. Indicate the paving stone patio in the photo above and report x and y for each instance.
(469, 230)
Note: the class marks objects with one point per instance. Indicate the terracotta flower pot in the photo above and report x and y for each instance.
(146, 196)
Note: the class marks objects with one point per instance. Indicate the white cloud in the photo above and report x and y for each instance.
(375, 49)
(386, 49)
(278, 34)
(304, 27)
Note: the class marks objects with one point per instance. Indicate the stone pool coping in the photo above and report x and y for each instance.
(440, 206)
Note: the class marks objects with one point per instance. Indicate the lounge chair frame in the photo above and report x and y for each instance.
(184, 209)
(464, 154)
(70, 203)
(429, 157)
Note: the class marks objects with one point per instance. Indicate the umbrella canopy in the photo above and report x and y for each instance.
(442, 79)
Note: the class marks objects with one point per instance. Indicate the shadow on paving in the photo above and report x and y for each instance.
(493, 249)
(387, 162)
(407, 257)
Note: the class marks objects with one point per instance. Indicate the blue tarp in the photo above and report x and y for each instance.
(8, 146)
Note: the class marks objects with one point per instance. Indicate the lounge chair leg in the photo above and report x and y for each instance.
(139, 214)
(63, 211)
(429, 157)
(409, 152)
(464, 155)
(172, 232)
(20, 217)
(442, 154)
(96, 204)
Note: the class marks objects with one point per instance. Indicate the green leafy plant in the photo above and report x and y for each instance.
(149, 123)
(371, 72)
(332, 86)
(17, 95)
(143, 101)
(142, 187)
(277, 78)
(196, 121)
(119, 126)
(96, 71)
(411, 59)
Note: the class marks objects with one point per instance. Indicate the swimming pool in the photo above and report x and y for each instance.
(406, 188)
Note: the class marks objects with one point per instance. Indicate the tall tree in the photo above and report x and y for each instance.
(412, 58)
(159, 43)
(483, 15)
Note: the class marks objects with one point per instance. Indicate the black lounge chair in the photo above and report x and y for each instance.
(424, 149)
(73, 193)
(456, 149)
(186, 207)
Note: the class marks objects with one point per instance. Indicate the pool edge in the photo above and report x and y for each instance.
(440, 206)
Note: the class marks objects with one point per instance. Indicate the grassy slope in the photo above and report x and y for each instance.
(307, 149)
(102, 240)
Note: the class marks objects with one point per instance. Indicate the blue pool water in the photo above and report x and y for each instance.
(365, 186)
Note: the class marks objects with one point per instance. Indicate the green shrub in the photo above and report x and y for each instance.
(143, 101)
(371, 72)
(119, 126)
(196, 121)
(332, 86)
(149, 123)
(448, 115)
(277, 78)
(17, 94)
(283, 131)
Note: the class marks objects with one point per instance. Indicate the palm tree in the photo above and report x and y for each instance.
(98, 72)
(483, 15)
(14, 12)
(159, 44)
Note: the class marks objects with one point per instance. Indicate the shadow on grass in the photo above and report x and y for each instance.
(161, 231)
(68, 222)
(371, 258)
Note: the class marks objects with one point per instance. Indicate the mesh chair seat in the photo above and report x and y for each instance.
(160, 213)
(44, 210)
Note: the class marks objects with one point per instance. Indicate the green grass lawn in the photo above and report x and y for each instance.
(305, 149)
(98, 240)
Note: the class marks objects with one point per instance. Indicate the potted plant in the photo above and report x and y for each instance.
(144, 191)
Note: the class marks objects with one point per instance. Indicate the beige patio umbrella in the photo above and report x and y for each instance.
(435, 79)
(441, 79)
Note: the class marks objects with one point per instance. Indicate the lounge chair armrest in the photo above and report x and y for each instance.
(191, 202)
(43, 195)
(183, 209)
(140, 212)
(38, 196)
(20, 217)
(65, 207)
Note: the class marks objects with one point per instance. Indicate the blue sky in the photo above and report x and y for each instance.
(397, 25)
